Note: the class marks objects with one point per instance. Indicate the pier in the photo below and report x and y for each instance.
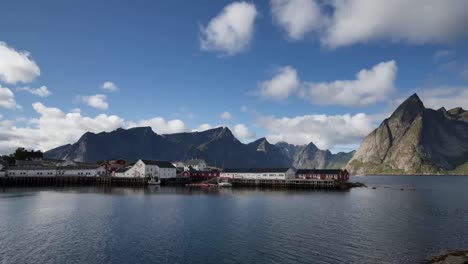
(288, 183)
(70, 181)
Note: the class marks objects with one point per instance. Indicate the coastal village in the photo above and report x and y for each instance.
(192, 173)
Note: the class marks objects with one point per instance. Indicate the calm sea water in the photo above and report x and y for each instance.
(176, 225)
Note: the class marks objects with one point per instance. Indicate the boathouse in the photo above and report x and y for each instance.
(259, 173)
(200, 174)
(31, 171)
(323, 174)
(88, 170)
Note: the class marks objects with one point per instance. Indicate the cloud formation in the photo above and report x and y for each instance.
(54, 128)
(297, 17)
(284, 83)
(202, 127)
(16, 66)
(369, 87)
(160, 125)
(242, 132)
(7, 98)
(98, 101)
(231, 31)
(42, 91)
(226, 115)
(362, 21)
(109, 87)
(325, 131)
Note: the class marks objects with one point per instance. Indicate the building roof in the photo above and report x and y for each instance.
(22, 163)
(124, 169)
(31, 168)
(257, 170)
(194, 162)
(79, 167)
(319, 171)
(160, 164)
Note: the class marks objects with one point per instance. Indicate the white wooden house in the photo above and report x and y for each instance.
(195, 164)
(149, 169)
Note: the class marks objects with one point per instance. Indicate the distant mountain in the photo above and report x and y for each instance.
(415, 140)
(309, 156)
(218, 147)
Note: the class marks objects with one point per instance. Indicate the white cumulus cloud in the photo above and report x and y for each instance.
(160, 125)
(226, 115)
(7, 98)
(242, 132)
(325, 131)
(16, 66)
(109, 87)
(53, 128)
(285, 82)
(231, 31)
(202, 127)
(98, 101)
(297, 17)
(349, 22)
(369, 87)
(42, 91)
(415, 21)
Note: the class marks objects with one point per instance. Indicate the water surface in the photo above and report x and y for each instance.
(177, 225)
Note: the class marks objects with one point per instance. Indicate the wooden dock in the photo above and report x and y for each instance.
(288, 183)
(70, 181)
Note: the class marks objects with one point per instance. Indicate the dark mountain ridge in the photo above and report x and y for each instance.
(218, 146)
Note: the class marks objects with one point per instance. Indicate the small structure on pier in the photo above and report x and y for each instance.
(323, 174)
(195, 164)
(259, 173)
(31, 171)
(200, 174)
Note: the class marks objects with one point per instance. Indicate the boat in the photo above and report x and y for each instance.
(154, 181)
(225, 184)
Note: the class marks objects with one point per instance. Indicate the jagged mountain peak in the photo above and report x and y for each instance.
(409, 109)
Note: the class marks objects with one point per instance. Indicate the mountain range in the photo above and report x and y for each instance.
(413, 140)
(218, 147)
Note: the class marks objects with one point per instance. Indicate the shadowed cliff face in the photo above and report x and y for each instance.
(218, 147)
(414, 140)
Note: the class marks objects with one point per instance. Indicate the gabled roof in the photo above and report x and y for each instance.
(319, 171)
(258, 170)
(160, 164)
(193, 162)
(122, 169)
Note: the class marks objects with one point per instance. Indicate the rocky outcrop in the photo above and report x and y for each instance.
(414, 140)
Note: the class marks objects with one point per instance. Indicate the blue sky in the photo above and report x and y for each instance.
(272, 65)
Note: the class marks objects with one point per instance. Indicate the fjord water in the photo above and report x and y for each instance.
(177, 225)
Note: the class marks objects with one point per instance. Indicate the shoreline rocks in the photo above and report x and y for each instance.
(454, 257)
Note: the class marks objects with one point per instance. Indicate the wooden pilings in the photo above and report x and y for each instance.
(70, 181)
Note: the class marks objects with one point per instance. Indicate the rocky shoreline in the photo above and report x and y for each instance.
(454, 257)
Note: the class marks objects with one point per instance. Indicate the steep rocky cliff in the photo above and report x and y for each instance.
(414, 140)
